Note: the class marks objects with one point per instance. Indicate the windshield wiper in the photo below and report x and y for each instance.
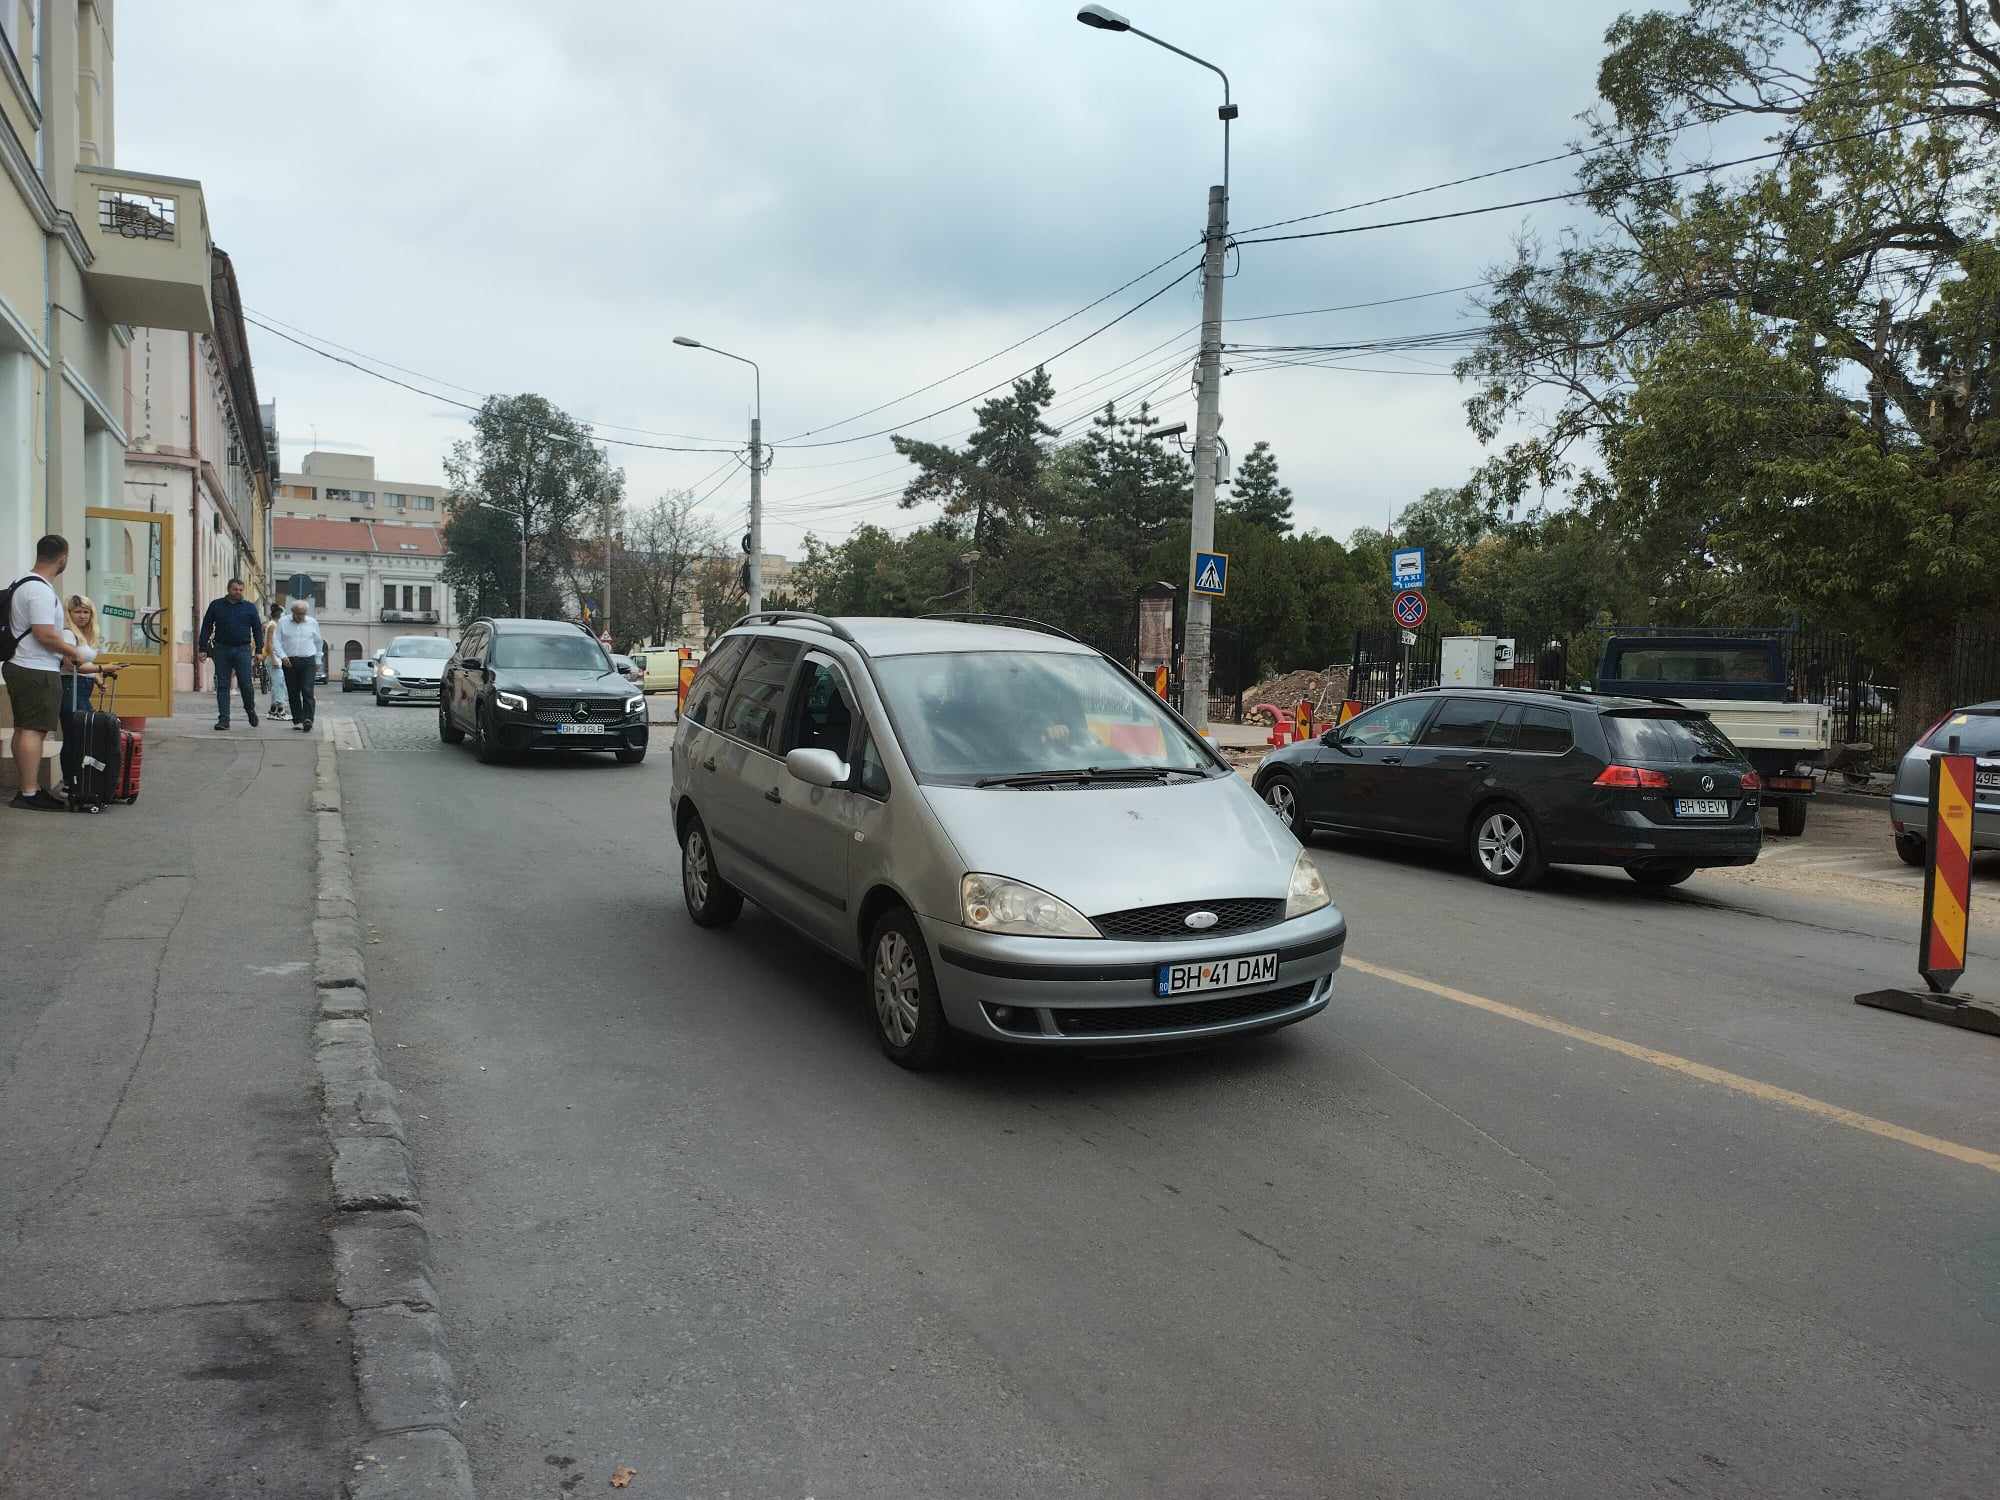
(1086, 773)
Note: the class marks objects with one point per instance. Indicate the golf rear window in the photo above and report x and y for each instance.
(1978, 734)
(1667, 741)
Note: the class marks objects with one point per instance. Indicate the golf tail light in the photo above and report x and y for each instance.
(1752, 782)
(1632, 776)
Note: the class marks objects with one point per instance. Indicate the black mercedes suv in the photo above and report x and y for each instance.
(1522, 779)
(538, 685)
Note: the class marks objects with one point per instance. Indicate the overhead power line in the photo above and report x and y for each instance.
(1635, 182)
(341, 359)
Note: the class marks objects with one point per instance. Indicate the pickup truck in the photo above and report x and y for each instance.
(1741, 683)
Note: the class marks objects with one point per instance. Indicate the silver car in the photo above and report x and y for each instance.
(408, 669)
(1005, 831)
(1977, 730)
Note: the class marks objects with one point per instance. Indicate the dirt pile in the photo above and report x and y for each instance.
(1327, 686)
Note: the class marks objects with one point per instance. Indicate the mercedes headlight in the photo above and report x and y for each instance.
(1308, 892)
(993, 904)
(512, 701)
(636, 703)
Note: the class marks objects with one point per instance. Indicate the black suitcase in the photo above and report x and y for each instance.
(92, 758)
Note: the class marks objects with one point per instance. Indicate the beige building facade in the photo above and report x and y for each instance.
(89, 251)
(343, 487)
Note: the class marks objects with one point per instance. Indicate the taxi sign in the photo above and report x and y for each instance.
(1407, 568)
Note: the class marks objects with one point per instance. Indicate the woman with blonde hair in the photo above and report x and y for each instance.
(78, 685)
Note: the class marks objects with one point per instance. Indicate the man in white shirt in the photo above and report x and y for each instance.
(300, 644)
(34, 672)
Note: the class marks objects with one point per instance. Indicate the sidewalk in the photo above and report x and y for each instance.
(167, 1325)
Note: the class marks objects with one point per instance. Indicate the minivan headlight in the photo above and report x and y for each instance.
(993, 904)
(513, 701)
(1308, 892)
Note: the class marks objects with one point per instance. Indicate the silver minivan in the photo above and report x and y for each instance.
(1005, 831)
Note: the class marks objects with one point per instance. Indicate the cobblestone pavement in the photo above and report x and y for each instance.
(357, 723)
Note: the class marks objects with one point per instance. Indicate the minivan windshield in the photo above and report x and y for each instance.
(422, 647)
(1650, 740)
(558, 651)
(968, 716)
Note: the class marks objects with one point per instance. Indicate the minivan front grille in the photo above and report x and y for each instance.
(1155, 923)
(1182, 1015)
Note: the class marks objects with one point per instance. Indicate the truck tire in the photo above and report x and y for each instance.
(1792, 817)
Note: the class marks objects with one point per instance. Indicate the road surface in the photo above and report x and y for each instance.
(1582, 1191)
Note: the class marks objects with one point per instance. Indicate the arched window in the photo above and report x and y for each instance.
(351, 651)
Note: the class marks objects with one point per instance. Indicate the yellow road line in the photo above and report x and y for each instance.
(1736, 1082)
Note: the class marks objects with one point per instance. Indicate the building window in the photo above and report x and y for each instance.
(427, 502)
(409, 597)
(136, 216)
(395, 501)
(296, 491)
(319, 593)
(424, 597)
(351, 497)
(17, 33)
(352, 650)
(353, 594)
(388, 596)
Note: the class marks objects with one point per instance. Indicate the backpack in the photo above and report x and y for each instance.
(8, 639)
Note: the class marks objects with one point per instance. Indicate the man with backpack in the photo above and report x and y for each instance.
(33, 651)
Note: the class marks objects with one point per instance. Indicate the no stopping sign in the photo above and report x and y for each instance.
(1410, 609)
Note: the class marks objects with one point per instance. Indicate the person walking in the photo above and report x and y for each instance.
(231, 630)
(79, 688)
(300, 644)
(36, 655)
(274, 662)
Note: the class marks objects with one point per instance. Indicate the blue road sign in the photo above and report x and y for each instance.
(1211, 574)
(1407, 569)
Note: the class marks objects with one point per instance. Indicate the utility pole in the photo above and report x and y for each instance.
(606, 627)
(1208, 418)
(755, 592)
(524, 559)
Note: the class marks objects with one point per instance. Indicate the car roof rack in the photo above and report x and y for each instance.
(1468, 687)
(783, 616)
(1023, 621)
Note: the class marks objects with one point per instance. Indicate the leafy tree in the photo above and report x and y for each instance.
(1255, 494)
(1784, 378)
(653, 573)
(539, 470)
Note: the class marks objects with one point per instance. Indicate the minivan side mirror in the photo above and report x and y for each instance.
(817, 767)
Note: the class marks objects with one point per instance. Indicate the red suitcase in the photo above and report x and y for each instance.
(131, 748)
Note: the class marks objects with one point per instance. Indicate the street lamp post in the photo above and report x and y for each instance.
(754, 594)
(520, 515)
(1208, 414)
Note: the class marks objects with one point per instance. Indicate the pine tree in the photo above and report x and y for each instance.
(1256, 496)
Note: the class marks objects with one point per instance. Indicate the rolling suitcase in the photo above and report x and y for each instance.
(131, 751)
(92, 757)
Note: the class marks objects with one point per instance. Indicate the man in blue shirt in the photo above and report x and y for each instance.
(231, 632)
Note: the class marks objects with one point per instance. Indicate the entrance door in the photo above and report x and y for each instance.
(126, 574)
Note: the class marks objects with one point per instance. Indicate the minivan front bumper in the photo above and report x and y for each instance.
(1101, 993)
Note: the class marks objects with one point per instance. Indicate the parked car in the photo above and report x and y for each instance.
(1976, 727)
(1521, 779)
(1741, 682)
(662, 663)
(358, 675)
(517, 685)
(995, 824)
(409, 669)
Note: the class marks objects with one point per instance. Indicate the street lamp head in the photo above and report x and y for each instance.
(685, 342)
(1103, 18)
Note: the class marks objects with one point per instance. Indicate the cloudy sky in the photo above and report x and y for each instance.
(864, 196)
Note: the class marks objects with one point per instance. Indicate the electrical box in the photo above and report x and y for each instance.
(1468, 660)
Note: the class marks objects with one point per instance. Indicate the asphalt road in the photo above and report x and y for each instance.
(1584, 1191)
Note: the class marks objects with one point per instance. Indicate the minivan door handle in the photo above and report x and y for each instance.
(772, 796)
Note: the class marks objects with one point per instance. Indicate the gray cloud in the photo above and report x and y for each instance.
(514, 195)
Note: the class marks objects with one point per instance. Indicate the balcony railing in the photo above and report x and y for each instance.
(409, 617)
(148, 239)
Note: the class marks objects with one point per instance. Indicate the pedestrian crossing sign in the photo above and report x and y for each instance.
(1211, 574)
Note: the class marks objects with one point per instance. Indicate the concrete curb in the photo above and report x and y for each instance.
(381, 1247)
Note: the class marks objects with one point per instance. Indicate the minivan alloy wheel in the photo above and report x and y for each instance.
(1503, 843)
(897, 986)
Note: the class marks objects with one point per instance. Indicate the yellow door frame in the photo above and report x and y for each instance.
(146, 686)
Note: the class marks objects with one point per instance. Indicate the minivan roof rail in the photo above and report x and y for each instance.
(780, 616)
(974, 618)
